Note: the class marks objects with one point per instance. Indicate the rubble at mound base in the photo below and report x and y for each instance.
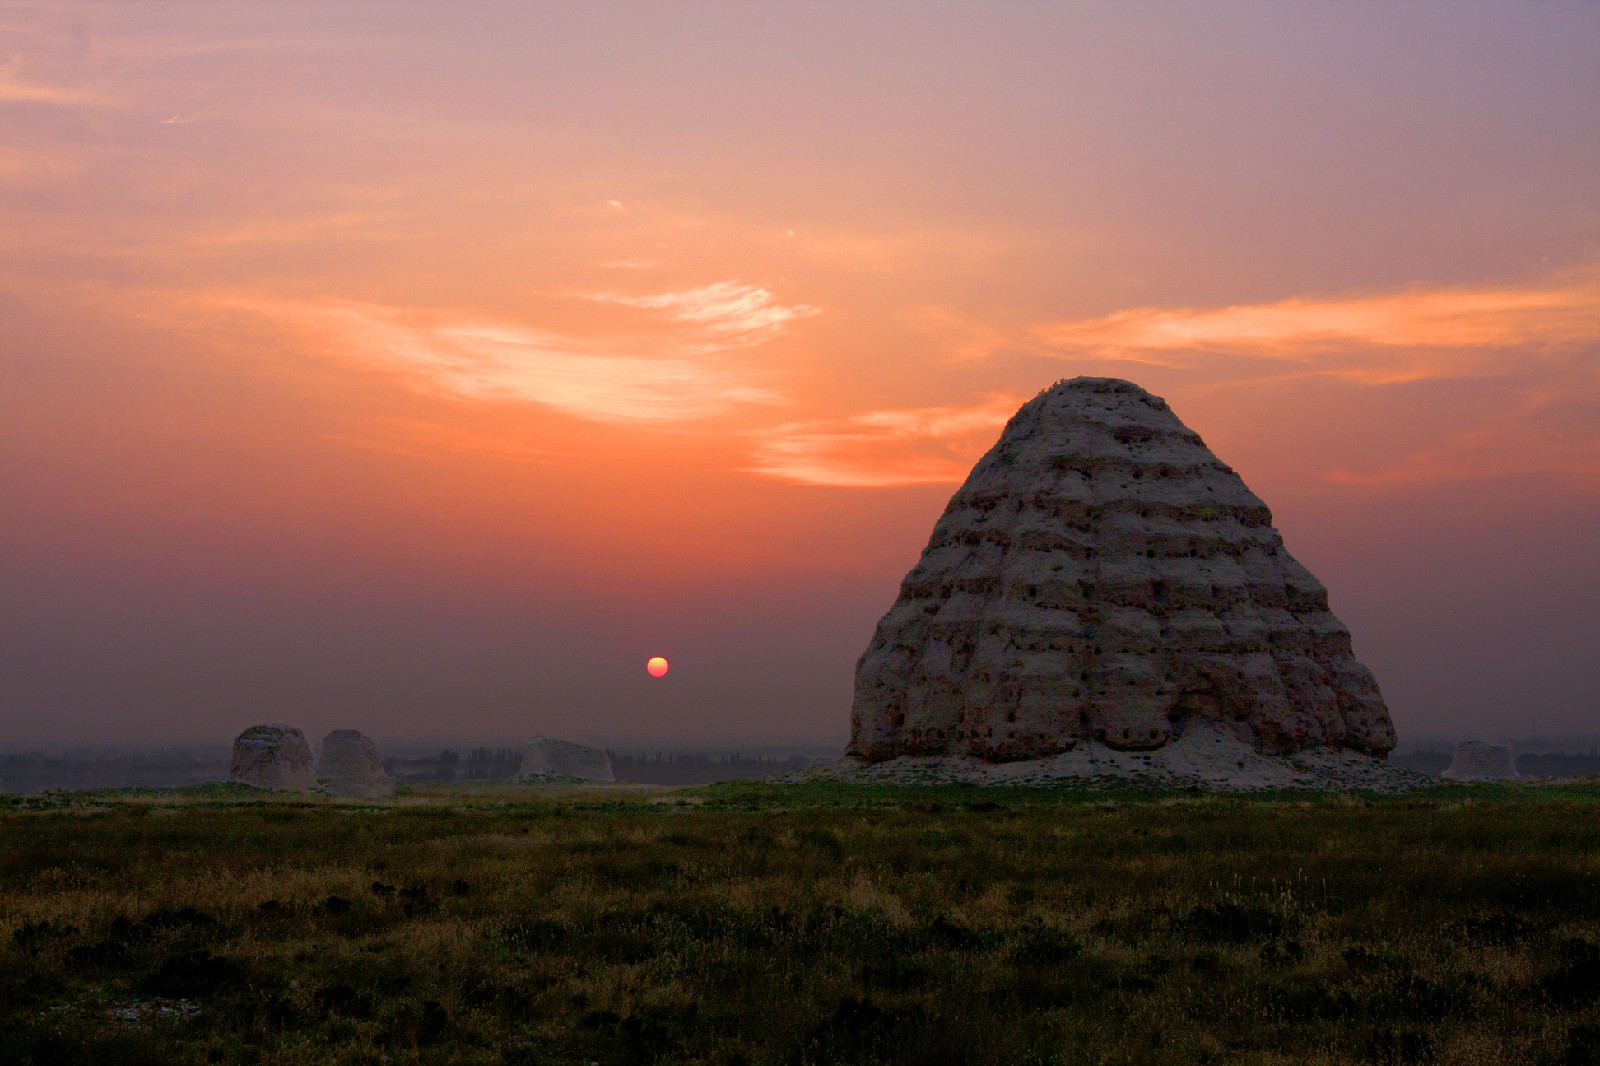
(1209, 756)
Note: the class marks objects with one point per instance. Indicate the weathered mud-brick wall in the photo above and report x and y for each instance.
(549, 759)
(1474, 760)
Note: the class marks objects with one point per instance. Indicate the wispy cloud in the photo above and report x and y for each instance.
(18, 92)
(723, 307)
(473, 358)
(1305, 328)
(1527, 354)
(897, 446)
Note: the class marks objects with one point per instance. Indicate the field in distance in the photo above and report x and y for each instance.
(767, 924)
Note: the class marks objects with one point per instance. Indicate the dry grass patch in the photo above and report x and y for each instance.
(795, 926)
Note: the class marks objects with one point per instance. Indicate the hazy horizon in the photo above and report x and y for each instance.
(389, 365)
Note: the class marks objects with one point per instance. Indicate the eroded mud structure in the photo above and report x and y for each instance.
(1102, 575)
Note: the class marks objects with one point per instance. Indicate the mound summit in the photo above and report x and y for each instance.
(1102, 579)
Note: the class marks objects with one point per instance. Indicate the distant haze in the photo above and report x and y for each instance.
(425, 369)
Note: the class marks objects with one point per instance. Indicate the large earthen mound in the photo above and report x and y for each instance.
(350, 766)
(547, 759)
(1103, 578)
(273, 756)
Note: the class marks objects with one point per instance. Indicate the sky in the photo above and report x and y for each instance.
(424, 369)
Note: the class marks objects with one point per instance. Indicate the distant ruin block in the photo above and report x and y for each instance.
(548, 760)
(350, 766)
(273, 756)
(1474, 760)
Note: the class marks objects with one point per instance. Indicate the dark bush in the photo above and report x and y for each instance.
(539, 934)
(192, 973)
(948, 934)
(43, 1042)
(823, 839)
(107, 953)
(756, 836)
(1281, 952)
(895, 972)
(857, 1031)
(1583, 1046)
(1400, 1046)
(1299, 1004)
(1229, 921)
(1041, 946)
(435, 1022)
(342, 999)
(1502, 930)
(1577, 976)
(177, 918)
(30, 935)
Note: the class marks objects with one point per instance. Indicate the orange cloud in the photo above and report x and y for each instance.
(899, 446)
(1445, 318)
(474, 358)
(724, 307)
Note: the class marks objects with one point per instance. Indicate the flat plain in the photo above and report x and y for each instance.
(801, 924)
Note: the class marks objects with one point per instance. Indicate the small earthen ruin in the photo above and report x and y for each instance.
(350, 766)
(548, 760)
(272, 756)
(1474, 760)
(1103, 577)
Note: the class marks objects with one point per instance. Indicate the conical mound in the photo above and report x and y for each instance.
(1103, 576)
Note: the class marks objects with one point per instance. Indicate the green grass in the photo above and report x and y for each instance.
(820, 923)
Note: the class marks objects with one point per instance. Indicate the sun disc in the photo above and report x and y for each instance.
(657, 666)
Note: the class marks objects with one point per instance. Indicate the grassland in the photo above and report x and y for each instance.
(799, 925)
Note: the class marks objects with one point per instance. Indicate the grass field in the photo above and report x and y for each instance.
(810, 924)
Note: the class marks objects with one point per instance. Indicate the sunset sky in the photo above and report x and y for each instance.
(425, 369)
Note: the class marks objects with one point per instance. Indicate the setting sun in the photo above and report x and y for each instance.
(657, 667)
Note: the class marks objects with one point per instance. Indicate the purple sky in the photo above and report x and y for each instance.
(426, 369)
